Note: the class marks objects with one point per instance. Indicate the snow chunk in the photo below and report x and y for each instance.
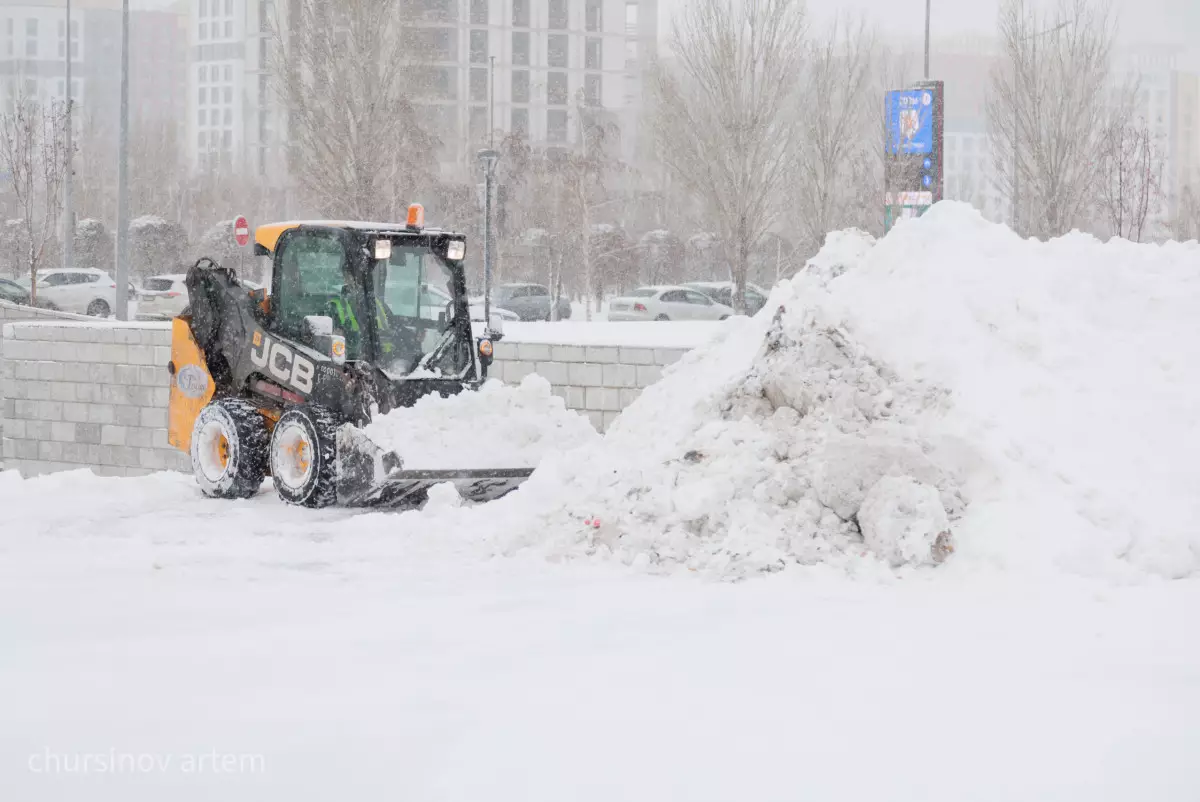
(902, 520)
(498, 426)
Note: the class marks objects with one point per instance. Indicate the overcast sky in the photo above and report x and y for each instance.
(1141, 21)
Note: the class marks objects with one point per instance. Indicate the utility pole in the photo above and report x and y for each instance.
(927, 5)
(122, 271)
(68, 179)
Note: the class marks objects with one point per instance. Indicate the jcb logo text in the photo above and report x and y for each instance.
(282, 363)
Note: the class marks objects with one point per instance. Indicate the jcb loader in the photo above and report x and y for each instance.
(360, 318)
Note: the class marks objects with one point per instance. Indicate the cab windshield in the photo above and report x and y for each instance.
(413, 313)
(418, 334)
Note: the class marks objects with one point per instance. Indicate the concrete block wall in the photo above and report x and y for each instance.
(86, 394)
(94, 394)
(598, 380)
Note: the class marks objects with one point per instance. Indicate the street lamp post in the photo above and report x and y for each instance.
(68, 178)
(488, 158)
(122, 267)
(927, 9)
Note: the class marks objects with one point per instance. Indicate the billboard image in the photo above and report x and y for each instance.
(910, 121)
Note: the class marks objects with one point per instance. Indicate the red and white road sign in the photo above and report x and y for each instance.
(241, 231)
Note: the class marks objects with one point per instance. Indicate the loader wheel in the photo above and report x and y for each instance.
(229, 449)
(304, 456)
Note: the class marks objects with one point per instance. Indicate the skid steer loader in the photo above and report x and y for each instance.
(359, 318)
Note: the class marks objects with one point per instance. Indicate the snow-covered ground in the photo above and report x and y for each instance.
(1032, 403)
(333, 655)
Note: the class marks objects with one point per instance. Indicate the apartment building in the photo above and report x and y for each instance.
(33, 47)
(232, 119)
(523, 66)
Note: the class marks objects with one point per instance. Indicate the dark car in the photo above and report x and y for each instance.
(529, 301)
(14, 292)
(722, 293)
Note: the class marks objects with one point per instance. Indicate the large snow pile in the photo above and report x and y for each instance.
(500, 426)
(952, 383)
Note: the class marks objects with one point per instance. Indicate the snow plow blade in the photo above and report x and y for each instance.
(368, 476)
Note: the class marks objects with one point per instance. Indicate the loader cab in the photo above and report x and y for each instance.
(392, 292)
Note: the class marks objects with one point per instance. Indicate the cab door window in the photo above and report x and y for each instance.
(313, 281)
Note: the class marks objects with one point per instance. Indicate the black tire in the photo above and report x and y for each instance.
(229, 449)
(49, 305)
(303, 456)
(723, 317)
(662, 317)
(99, 308)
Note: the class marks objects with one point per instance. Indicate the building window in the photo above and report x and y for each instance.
(479, 47)
(31, 38)
(479, 12)
(228, 94)
(228, 72)
(520, 15)
(202, 73)
(477, 123)
(558, 15)
(593, 16)
(203, 98)
(203, 31)
(441, 10)
(203, 9)
(592, 90)
(229, 116)
(593, 55)
(443, 83)
(556, 89)
(228, 29)
(201, 117)
(520, 122)
(520, 86)
(479, 84)
(556, 50)
(520, 48)
(556, 125)
(441, 43)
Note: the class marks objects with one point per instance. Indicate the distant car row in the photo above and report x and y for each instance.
(701, 300)
(93, 292)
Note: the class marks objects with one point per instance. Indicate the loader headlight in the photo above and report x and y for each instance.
(456, 249)
(383, 249)
(485, 348)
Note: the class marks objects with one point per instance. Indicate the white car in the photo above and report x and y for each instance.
(163, 296)
(80, 290)
(666, 303)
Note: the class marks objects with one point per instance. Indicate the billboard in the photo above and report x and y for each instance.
(913, 123)
(910, 121)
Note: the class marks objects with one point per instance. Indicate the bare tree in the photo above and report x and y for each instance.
(727, 121)
(1131, 170)
(33, 152)
(348, 74)
(835, 159)
(1047, 109)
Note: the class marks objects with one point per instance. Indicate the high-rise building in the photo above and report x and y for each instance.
(33, 46)
(231, 117)
(525, 66)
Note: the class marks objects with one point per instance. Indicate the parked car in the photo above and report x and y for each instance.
(722, 293)
(529, 301)
(666, 303)
(80, 290)
(163, 296)
(434, 301)
(13, 292)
